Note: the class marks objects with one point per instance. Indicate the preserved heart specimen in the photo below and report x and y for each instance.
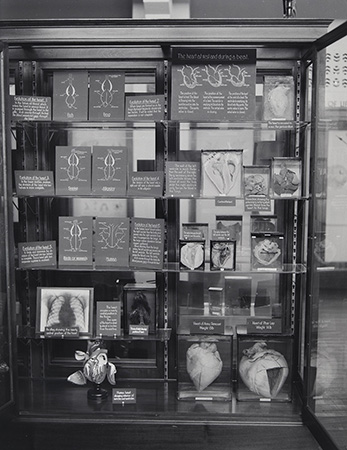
(266, 252)
(204, 364)
(192, 255)
(263, 370)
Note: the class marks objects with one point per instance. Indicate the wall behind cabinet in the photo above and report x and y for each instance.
(51, 9)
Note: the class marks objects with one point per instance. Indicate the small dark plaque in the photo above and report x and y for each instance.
(264, 326)
(225, 201)
(122, 396)
(207, 326)
(138, 330)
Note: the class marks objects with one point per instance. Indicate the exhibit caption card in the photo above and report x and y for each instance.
(37, 254)
(182, 179)
(34, 182)
(147, 184)
(27, 107)
(108, 318)
(145, 107)
(147, 243)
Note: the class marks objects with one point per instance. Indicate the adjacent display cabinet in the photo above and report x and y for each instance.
(172, 221)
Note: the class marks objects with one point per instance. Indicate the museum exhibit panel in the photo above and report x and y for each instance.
(171, 227)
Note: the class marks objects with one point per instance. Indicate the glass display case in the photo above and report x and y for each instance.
(325, 326)
(162, 215)
(6, 281)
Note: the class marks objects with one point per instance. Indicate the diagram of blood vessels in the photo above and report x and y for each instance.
(112, 235)
(109, 169)
(106, 93)
(75, 232)
(70, 92)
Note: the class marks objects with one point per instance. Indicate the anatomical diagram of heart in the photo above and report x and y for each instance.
(204, 364)
(264, 371)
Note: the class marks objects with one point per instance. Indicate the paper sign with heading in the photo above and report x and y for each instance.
(37, 254)
(146, 183)
(147, 243)
(27, 107)
(145, 107)
(213, 84)
(34, 182)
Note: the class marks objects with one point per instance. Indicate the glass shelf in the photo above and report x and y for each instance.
(241, 268)
(57, 126)
(184, 126)
(140, 197)
(162, 335)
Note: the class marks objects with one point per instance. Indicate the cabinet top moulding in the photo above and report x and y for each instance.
(274, 32)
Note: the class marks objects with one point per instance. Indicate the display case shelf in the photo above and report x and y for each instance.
(241, 268)
(162, 335)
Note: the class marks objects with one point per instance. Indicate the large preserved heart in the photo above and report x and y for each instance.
(267, 252)
(204, 364)
(263, 370)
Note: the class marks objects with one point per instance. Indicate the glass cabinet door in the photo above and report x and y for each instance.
(6, 385)
(326, 325)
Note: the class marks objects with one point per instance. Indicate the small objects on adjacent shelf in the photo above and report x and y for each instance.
(96, 368)
(264, 371)
(204, 364)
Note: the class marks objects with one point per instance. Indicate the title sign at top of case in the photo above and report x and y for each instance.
(211, 84)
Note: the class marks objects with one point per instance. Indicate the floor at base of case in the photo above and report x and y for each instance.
(55, 436)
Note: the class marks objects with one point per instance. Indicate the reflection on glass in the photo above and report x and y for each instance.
(328, 362)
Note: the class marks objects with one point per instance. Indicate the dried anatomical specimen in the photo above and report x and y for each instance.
(192, 255)
(204, 364)
(266, 252)
(264, 371)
